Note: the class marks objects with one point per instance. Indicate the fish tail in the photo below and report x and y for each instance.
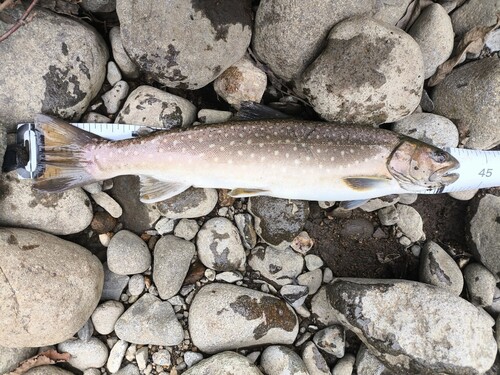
(63, 159)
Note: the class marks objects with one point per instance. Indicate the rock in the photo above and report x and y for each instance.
(94, 117)
(345, 365)
(192, 203)
(113, 98)
(327, 275)
(433, 32)
(247, 230)
(128, 254)
(164, 226)
(378, 203)
(219, 245)
(229, 276)
(150, 106)
(387, 316)
(302, 243)
(192, 358)
(32, 266)
(174, 58)
(368, 364)
(99, 6)
(386, 84)
(331, 340)
(84, 355)
(212, 116)
(47, 370)
(113, 75)
(484, 231)
(241, 82)
(113, 284)
(129, 369)
(322, 310)
(11, 357)
(480, 284)
(312, 280)
(314, 361)
(186, 229)
(280, 360)
(57, 213)
(105, 316)
(410, 222)
(116, 356)
(466, 195)
(225, 363)
(439, 269)
(278, 221)
(474, 13)
(388, 215)
(127, 66)
(136, 285)
(109, 204)
(71, 66)
(150, 321)
(86, 331)
(295, 295)
(470, 96)
(278, 266)
(219, 310)
(430, 128)
(172, 258)
(408, 198)
(313, 262)
(162, 357)
(141, 357)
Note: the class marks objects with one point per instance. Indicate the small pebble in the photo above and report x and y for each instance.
(131, 352)
(86, 332)
(302, 243)
(162, 358)
(313, 262)
(141, 357)
(331, 340)
(212, 116)
(481, 284)
(312, 280)
(186, 229)
(109, 204)
(103, 222)
(326, 204)
(302, 311)
(295, 295)
(105, 316)
(165, 226)
(229, 276)
(128, 254)
(327, 275)
(246, 229)
(345, 365)
(116, 356)
(113, 75)
(84, 355)
(192, 358)
(136, 285)
(210, 274)
(113, 98)
(94, 117)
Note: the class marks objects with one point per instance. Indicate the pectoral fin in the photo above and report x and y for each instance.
(351, 205)
(362, 183)
(243, 193)
(154, 190)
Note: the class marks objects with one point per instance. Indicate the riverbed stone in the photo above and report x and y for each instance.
(410, 222)
(225, 363)
(192, 203)
(368, 364)
(33, 265)
(84, 355)
(279, 266)
(280, 360)
(480, 283)
(474, 13)
(219, 310)
(105, 316)
(128, 254)
(122, 59)
(11, 357)
(331, 340)
(386, 84)
(48, 370)
(314, 360)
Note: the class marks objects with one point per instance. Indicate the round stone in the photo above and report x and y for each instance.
(225, 363)
(313, 262)
(136, 285)
(128, 254)
(410, 222)
(105, 316)
(480, 283)
(192, 203)
(85, 354)
(186, 229)
(280, 360)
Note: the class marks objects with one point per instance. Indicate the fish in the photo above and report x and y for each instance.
(282, 158)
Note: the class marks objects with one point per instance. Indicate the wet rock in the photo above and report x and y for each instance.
(480, 283)
(314, 361)
(433, 32)
(278, 221)
(474, 13)
(57, 213)
(219, 310)
(127, 66)
(71, 66)
(150, 321)
(368, 364)
(216, 40)
(312, 280)
(345, 365)
(105, 316)
(84, 355)
(113, 98)
(212, 116)
(410, 222)
(386, 316)
(470, 96)
(378, 203)
(11, 357)
(280, 360)
(439, 269)
(186, 229)
(247, 230)
(295, 295)
(192, 203)
(278, 266)
(241, 82)
(99, 6)
(386, 84)
(429, 128)
(113, 284)
(128, 254)
(219, 245)
(331, 340)
(172, 258)
(32, 266)
(225, 363)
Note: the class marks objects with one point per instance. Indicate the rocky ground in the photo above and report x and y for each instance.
(206, 284)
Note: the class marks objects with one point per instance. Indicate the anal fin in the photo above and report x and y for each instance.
(243, 192)
(366, 183)
(351, 205)
(154, 190)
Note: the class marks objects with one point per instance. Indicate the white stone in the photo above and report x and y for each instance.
(141, 357)
(109, 204)
(84, 355)
(105, 316)
(212, 116)
(113, 75)
(113, 98)
(116, 356)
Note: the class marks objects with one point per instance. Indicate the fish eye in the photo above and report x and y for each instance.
(439, 156)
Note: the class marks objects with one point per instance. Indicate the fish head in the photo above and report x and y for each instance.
(418, 166)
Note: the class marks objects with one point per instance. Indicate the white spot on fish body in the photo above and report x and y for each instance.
(222, 148)
(249, 142)
(200, 140)
(318, 151)
(287, 155)
(342, 153)
(136, 153)
(261, 145)
(240, 152)
(276, 153)
(252, 155)
(231, 143)
(216, 159)
(296, 161)
(295, 148)
(351, 151)
(332, 158)
(308, 158)
(211, 145)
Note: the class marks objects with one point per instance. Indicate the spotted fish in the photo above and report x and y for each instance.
(281, 158)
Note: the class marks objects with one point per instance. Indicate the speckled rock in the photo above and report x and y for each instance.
(433, 32)
(128, 254)
(429, 128)
(225, 363)
(32, 266)
(386, 84)
(10, 357)
(439, 269)
(474, 13)
(84, 355)
(220, 310)
(280, 360)
(71, 66)
(470, 96)
(219, 35)
(192, 203)
(150, 106)
(105, 316)
(314, 360)
(410, 222)
(57, 213)
(322, 310)
(278, 221)
(459, 342)
(480, 284)
(122, 59)
(279, 266)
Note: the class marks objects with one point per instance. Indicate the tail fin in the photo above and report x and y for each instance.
(62, 156)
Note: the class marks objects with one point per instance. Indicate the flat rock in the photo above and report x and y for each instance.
(470, 96)
(474, 13)
(386, 316)
(225, 363)
(11, 357)
(57, 213)
(71, 66)
(172, 258)
(386, 84)
(192, 203)
(220, 310)
(280, 360)
(219, 35)
(278, 221)
(150, 321)
(279, 266)
(84, 355)
(150, 106)
(32, 266)
(128, 254)
(480, 283)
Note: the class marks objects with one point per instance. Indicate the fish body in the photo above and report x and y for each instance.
(281, 158)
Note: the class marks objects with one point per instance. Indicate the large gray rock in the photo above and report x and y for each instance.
(57, 213)
(474, 13)
(192, 203)
(369, 73)
(69, 71)
(218, 311)
(415, 327)
(10, 357)
(225, 363)
(33, 265)
(470, 96)
(219, 34)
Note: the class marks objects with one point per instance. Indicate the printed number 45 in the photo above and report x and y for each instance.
(486, 172)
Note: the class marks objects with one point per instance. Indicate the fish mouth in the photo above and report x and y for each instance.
(444, 176)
